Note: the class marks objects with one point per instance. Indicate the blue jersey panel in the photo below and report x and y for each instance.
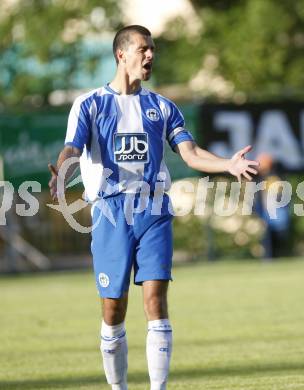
(106, 123)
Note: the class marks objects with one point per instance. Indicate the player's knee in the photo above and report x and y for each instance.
(114, 312)
(114, 316)
(155, 306)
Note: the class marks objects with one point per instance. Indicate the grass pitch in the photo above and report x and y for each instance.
(236, 326)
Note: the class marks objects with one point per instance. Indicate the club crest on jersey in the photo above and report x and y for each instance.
(152, 114)
(131, 147)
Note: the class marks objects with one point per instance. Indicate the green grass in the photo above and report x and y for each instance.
(236, 326)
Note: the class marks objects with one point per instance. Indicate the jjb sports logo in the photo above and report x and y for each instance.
(131, 147)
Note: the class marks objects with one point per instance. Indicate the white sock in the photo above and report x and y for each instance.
(159, 348)
(114, 351)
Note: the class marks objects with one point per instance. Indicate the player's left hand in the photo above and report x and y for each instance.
(239, 166)
(53, 181)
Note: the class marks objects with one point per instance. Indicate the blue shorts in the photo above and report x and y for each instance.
(145, 245)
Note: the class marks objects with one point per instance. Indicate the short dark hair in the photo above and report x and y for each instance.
(122, 37)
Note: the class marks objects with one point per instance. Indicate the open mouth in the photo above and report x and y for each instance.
(147, 66)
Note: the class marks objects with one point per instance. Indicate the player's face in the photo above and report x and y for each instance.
(139, 57)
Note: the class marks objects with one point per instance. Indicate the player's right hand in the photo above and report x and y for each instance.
(53, 181)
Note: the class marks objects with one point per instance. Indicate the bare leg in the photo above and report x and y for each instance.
(114, 310)
(155, 299)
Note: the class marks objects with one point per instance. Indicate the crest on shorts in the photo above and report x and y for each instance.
(152, 114)
(103, 279)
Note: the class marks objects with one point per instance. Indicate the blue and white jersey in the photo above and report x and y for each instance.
(122, 139)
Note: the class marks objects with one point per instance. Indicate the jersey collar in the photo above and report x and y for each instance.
(109, 89)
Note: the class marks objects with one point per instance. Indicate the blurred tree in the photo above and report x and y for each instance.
(41, 44)
(236, 49)
(254, 45)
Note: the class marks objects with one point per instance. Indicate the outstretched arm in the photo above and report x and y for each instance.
(66, 153)
(204, 161)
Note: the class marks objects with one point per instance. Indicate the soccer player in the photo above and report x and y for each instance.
(119, 132)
